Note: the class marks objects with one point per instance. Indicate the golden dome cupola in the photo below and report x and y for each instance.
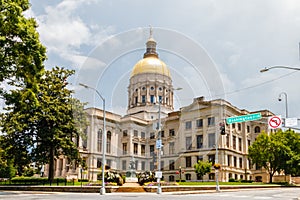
(150, 85)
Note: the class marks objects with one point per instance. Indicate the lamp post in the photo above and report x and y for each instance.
(159, 150)
(102, 190)
(280, 67)
(286, 104)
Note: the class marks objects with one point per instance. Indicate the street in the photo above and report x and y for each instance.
(278, 193)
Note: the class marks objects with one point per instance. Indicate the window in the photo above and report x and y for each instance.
(199, 158)
(239, 127)
(152, 88)
(152, 135)
(234, 161)
(171, 178)
(234, 142)
(124, 148)
(151, 149)
(229, 160)
(171, 165)
(99, 143)
(135, 148)
(211, 140)
(211, 158)
(143, 135)
(188, 125)
(135, 133)
(240, 144)
(241, 162)
(199, 123)
(227, 140)
(188, 161)
(136, 164)
(125, 133)
(143, 99)
(123, 164)
(257, 129)
(162, 133)
(152, 98)
(99, 162)
(108, 162)
(211, 176)
(143, 163)
(160, 99)
(108, 143)
(151, 166)
(188, 143)
(171, 148)
(136, 100)
(143, 150)
(171, 132)
(188, 177)
(162, 164)
(248, 129)
(199, 141)
(249, 143)
(211, 121)
(233, 126)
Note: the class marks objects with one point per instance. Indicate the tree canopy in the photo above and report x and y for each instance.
(276, 152)
(202, 167)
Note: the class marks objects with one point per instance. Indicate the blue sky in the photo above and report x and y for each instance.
(203, 42)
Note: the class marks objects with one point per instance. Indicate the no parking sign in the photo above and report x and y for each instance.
(275, 122)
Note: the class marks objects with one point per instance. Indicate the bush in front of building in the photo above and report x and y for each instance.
(112, 177)
(145, 177)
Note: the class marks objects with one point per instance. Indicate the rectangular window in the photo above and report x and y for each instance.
(188, 161)
(199, 123)
(171, 132)
(227, 141)
(143, 150)
(229, 160)
(211, 140)
(143, 99)
(188, 143)
(152, 135)
(241, 162)
(248, 129)
(143, 163)
(124, 148)
(234, 142)
(162, 165)
(160, 99)
(151, 166)
(152, 99)
(135, 133)
(234, 161)
(171, 165)
(143, 135)
(136, 164)
(199, 158)
(240, 144)
(211, 158)
(99, 162)
(162, 133)
(136, 100)
(151, 149)
(135, 148)
(188, 125)
(125, 133)
(171, 148)
(199, 141)
(124, 165)
(171, 178)
(211, 121)
(249, 143)
(239, 127)
(108, 162)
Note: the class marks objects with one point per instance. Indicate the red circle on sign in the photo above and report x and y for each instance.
(275, 122)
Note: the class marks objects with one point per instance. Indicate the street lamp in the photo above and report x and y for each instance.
(286, 104)
(102, 190)
(159, 150)
(276, 67)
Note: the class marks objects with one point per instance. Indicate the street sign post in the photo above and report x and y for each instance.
(243, 118)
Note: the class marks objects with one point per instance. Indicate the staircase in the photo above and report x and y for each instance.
(131, 187)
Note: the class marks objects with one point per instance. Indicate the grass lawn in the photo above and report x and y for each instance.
(220, 183)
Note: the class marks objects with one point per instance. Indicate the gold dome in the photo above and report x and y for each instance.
(150, 64)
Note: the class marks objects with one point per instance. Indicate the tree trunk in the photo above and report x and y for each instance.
(51, 166)
(271, 177)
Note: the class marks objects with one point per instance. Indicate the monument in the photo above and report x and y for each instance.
(131, 173)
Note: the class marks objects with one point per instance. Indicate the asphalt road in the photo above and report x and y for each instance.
(259, 194)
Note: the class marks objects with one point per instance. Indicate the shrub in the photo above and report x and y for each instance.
(145, 177)
(232, 180)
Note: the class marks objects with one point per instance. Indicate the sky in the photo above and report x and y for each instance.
(214, 48)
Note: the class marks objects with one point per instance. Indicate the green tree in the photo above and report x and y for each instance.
(270, 152)
(202, 168)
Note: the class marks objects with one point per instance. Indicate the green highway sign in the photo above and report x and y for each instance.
(243, 118)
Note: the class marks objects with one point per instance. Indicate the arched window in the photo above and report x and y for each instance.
(99, 140)
(108, 142)
(257, 129)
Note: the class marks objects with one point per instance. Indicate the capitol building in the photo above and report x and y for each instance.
(189, 134)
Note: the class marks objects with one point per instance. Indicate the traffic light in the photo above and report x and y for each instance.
(222, 129)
